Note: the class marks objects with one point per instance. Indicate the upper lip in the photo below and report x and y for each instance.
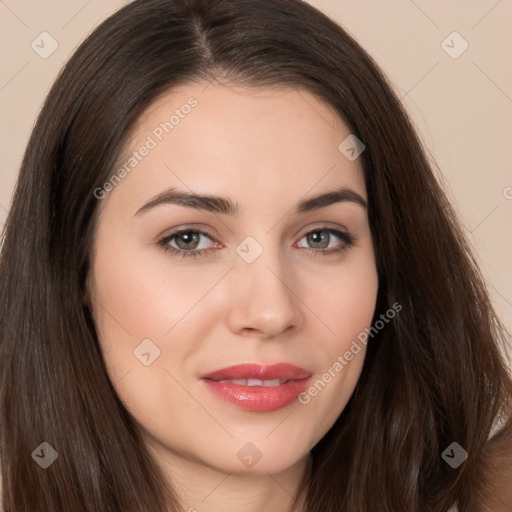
(282, 371)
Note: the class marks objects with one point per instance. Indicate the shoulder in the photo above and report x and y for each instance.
(496, 472)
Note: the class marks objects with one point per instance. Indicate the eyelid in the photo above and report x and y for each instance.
(163, 241)
(347, 238)
(323, 225)
(188, 227)
(210, 232)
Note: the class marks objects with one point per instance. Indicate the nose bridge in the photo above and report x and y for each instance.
(264, 299)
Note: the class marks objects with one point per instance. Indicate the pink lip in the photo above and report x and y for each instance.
(258, 398)
(281, 371)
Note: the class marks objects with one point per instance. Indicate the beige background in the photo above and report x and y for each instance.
(461, 106)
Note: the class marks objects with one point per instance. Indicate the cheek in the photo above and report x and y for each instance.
(138, 296)
(140, 299)
(344, 299)
(346, 304)
(147, 289)
(352, 309)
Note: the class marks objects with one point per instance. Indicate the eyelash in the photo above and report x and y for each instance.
(348, 239)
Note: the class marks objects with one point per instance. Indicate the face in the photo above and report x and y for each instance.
(280, 289)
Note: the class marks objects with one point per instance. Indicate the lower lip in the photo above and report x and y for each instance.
(258, 398)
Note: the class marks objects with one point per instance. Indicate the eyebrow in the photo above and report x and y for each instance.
(224, 205)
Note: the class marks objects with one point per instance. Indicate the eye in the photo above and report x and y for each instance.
(186, 242)
(320, 239)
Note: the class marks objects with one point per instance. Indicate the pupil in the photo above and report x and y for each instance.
(318, 237)
(188, 237)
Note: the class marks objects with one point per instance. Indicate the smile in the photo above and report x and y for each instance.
(258, 388)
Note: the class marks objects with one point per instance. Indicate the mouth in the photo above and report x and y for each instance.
(256, 387)
(256, 382)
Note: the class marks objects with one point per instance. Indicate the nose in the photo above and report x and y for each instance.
(263, 298)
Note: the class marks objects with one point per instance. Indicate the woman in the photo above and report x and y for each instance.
(231, 280)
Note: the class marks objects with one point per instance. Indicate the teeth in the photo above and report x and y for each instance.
(274, 382)
(255, 382)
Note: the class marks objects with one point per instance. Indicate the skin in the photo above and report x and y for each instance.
(265, 149)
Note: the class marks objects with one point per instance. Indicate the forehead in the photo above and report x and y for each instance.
(258, 144)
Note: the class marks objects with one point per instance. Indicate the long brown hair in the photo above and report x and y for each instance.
(435, 375)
